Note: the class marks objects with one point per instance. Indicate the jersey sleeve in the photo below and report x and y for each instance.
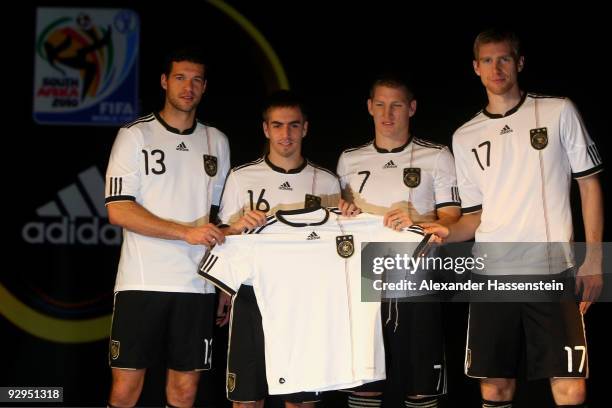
(227, 266)
(123, 171)
(581, 151)
(330, 190)
(224, 167)
(446, 192)
(470, 193)
(231, 205)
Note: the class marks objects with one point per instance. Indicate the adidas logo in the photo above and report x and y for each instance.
(505, 130)
(313, 235)
(182, 147)
(78, 216)
(390, 165)
(285, 186)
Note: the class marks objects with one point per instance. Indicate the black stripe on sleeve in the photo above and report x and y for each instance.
(218, 283)
(119, 198)
(588, 172)
(448, 204)
(473, 209)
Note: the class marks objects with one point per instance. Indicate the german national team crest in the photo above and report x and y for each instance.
(412, 177)
(231, 382)
(345, 246)
(539, 138)
(114, 349)
(210, 165)
(312, 201)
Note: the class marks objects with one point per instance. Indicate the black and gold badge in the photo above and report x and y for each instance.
(312, 201)
(412, 177)
(345, 246)
(210, 165)
(114, 349)
(539, 138)
(231, 382)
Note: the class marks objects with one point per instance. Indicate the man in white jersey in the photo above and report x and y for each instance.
(407, 180)
(282, 179)
(515, 160)
(165, 171)
(305, 268)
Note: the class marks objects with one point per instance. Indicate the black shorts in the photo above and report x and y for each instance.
(548, 336)
(150, 326)
(414, 347)
(246, 362)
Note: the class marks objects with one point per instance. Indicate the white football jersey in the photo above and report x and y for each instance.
(306, 274)
(419, 176)
(517, 168)
(260, 185)
(177, 177)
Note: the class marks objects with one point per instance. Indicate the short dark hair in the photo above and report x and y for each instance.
(283, 98)
(190, 54)
(497, 35)
(393, 80)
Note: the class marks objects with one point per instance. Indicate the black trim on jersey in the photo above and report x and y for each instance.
(271, 220)
(316, 166)
(394, 150)
(594, 154)
(281, 213)
(334, 210)
(352, 149)
(588, 172)
(510, 112)
(417, 229)
(173, 129)
(455, 194)
(448, 204)
(540, 96)
(473, 209)
(217, 283)
(252, 163)
(290, 171)
(148, 118)
(119, 198)
(427, 143)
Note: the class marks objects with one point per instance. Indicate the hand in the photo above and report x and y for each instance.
(440, 232)
(223, 309)
(348, 209)
(397, 219)
(589, 282)
(208, 235)
(248, 221)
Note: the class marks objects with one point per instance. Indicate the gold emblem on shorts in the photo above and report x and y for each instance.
(539, 138)
(114, 349)
(231, 382)
(412, 177)
(344, 245)
(312, 201)
(210, 165)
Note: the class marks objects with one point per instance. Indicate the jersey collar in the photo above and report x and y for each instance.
(281, 170)
(395, 150)
(510, 112)
(173, 129)
(281, 214)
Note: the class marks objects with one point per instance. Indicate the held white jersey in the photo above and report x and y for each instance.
(419, 176)
(306, 274)
(260, 185)
(517, 168)
(176, 176)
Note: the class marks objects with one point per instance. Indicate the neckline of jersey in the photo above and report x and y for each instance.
(281, 170)
(280, 215)
(173, 129)
(394, 150)
(510, 112)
